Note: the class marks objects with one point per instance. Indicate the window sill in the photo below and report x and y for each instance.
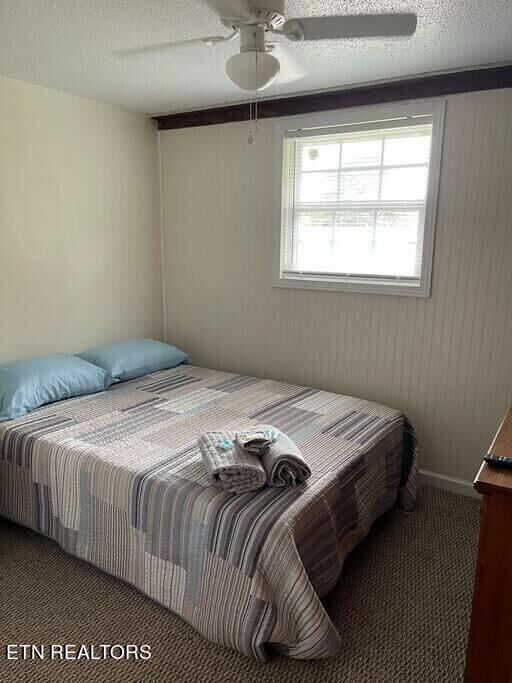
(391, 289)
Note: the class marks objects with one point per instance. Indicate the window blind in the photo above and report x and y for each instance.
(354, 200)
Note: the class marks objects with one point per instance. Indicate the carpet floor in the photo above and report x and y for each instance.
(402, 608)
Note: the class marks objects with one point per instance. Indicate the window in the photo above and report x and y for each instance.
(357, 199)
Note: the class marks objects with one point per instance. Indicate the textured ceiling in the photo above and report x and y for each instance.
(68, 45)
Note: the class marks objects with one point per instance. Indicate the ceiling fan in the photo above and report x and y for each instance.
(259, 63)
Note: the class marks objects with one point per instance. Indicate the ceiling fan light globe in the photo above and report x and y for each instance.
(244, 72)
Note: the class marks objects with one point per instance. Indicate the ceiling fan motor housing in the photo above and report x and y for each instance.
(268, 18)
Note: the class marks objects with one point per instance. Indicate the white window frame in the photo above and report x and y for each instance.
(345, 117)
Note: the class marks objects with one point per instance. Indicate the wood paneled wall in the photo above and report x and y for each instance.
(79, 223)
(446, 361)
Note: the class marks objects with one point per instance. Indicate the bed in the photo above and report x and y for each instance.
(116, 478)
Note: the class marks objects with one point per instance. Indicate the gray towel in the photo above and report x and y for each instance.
(228, 465)
(282, 459)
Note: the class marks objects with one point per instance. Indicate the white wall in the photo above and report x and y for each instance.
(446, 360)
(79, 222)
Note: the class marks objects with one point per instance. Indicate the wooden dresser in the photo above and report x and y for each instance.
(489, 653)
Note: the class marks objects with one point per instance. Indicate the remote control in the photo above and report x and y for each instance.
(498, 461)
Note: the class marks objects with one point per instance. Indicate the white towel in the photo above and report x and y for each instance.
(281, 457)
(254, 441)
(228, 465)
(284, 463)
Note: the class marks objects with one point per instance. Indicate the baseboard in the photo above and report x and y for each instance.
(441, 481)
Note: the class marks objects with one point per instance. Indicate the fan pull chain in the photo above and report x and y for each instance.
(252, 135)
(250, 139)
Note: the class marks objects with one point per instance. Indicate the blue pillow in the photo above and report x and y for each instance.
(133, 358)
(31, 382)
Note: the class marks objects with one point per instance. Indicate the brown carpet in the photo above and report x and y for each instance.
(402, 608)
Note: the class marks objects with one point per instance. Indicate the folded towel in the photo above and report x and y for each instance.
(228, 465)
(254, 441)
(283, 462)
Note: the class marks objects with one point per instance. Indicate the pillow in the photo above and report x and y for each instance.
(133, 358)
(31, 382)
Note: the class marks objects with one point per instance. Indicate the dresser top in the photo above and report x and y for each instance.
(490, 478)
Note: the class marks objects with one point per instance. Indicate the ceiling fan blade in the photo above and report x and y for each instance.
(350, 26)
(290, 67)
(239, 10)
(209, 40)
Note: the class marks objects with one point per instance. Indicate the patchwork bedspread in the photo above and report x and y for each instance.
(117, 479)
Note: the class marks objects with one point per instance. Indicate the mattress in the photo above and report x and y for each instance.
(116, 478)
